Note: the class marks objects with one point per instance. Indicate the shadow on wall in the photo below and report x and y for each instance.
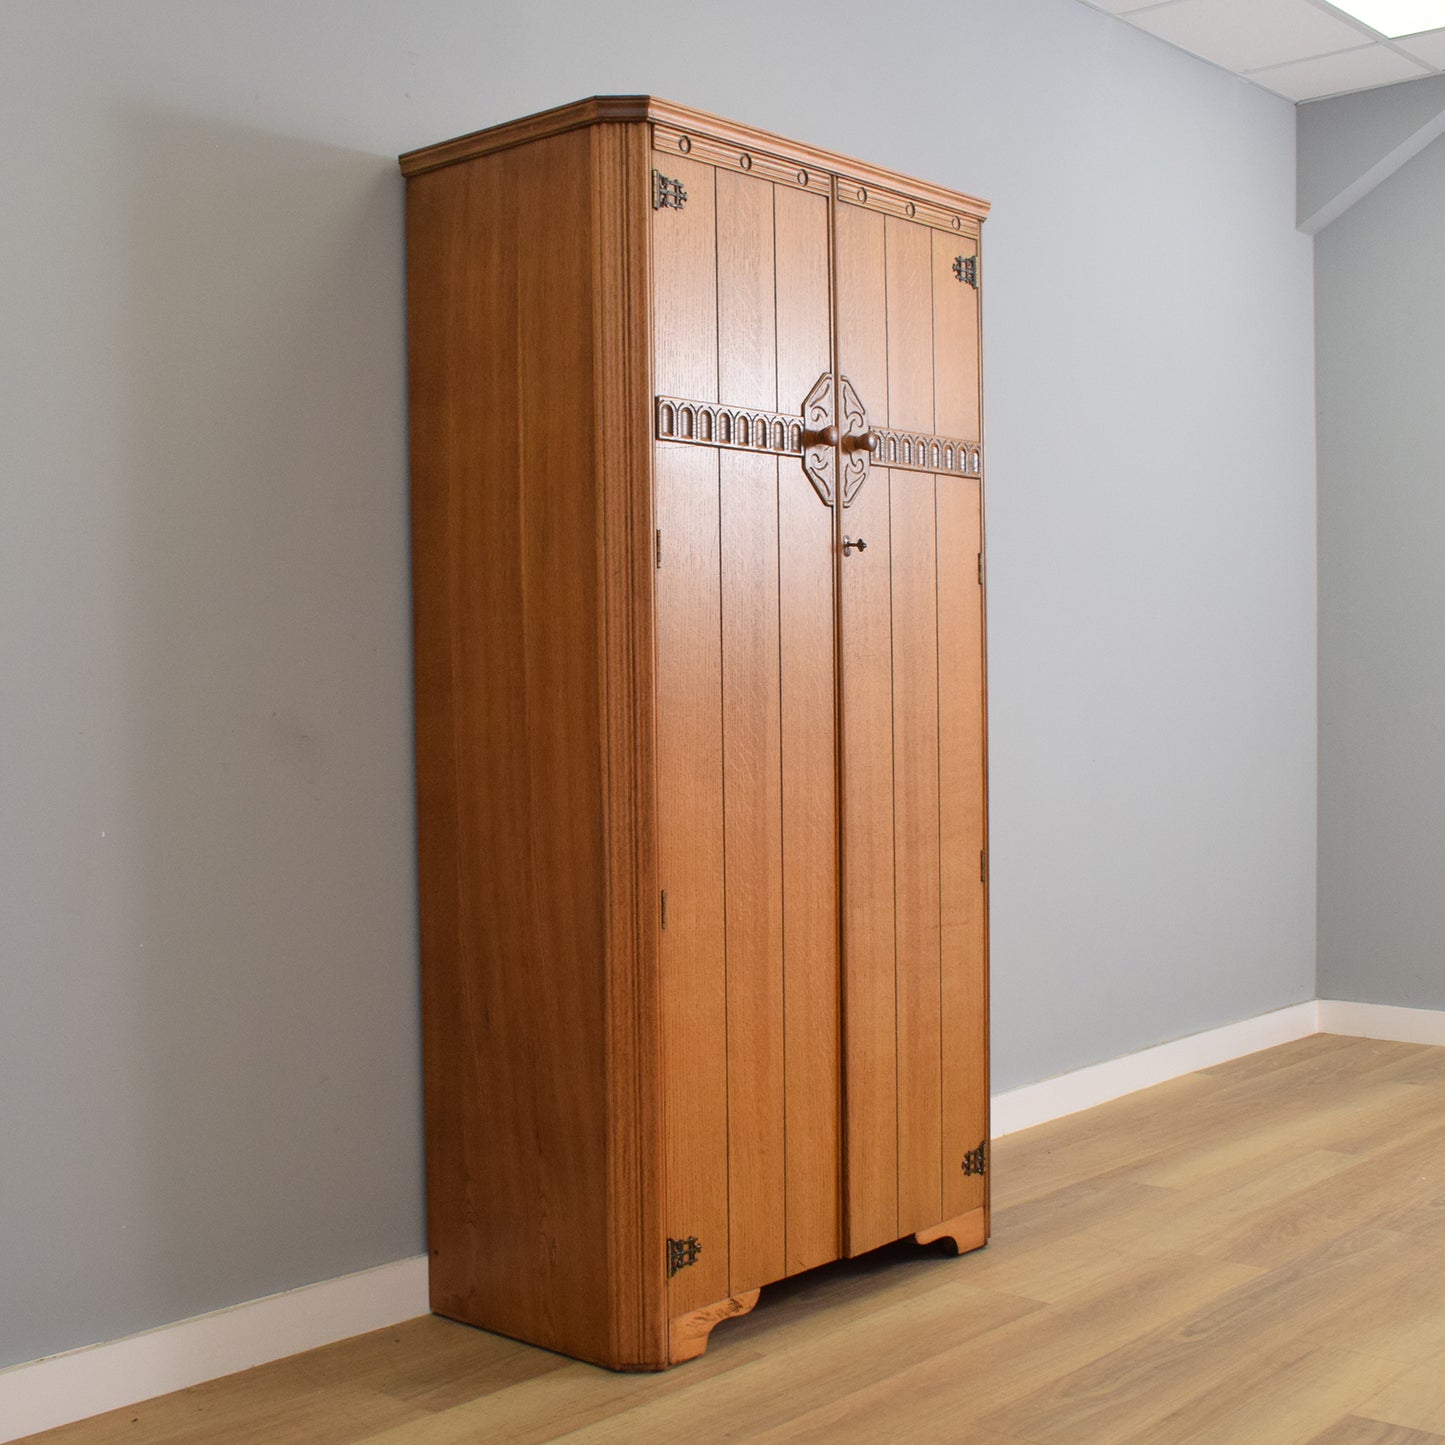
(267, 664)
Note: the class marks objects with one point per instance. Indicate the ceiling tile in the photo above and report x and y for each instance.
(1430, 47)
(1332, 74)
(1119, 7)
(1246, 34)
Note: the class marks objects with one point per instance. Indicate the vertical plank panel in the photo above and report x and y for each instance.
(916, 848)
(752, 783)
(684, 288)
(869, 968)
(747, 340)
(955, 341)
(813, 1089)
(811, 994)
(692, 959)
(805, 327)
(910, 326)
(862, 306)
(870, 1142)
(961, 815)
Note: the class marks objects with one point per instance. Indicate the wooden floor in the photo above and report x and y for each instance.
(1254, 1253)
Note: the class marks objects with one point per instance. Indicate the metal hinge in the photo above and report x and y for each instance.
(976, 1160)
(663, 908)
(667, 193)
(980, 569)
(681, 1253)
(983, 865)
(659, 547)
(964, 267)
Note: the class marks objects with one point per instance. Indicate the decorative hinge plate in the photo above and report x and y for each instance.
(976, 1160)
(667, 194)
(681, 1253)
(964, 267)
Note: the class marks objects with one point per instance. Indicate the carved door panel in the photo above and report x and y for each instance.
(912, 727)
(746, 731)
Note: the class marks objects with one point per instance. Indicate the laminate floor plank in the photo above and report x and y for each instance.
(1415, 1399)
(1357, 1430)
(1250, 1255)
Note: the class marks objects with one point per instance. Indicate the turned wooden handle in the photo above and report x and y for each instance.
(827, 437)
(868, 441)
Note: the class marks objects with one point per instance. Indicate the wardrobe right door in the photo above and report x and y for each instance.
(912, 723)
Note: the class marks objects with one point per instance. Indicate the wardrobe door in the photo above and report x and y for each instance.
(912, 726)
(746, 733)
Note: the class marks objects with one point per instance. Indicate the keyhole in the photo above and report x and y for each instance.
(849, 544)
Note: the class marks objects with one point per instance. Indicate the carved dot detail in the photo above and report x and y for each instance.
(957, 223)
(745, 161)
(684, 144)
(802, 178)
(911, 209)
(862, 194)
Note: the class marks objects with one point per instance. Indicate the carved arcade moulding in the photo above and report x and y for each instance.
(816, 437)
(740, 428)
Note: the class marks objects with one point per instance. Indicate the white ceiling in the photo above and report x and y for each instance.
(1301, 49)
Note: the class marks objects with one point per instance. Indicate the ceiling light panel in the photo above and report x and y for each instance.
(1396, 17)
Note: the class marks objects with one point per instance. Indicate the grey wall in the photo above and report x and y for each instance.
(1380, 299)
(1349, 144)
(208, 1048)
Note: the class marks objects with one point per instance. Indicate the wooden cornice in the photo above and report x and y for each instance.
(613, 109)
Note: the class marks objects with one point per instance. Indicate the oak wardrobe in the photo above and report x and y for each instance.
(698, 579)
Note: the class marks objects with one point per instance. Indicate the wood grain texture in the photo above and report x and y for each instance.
(692, 944)
(955, 342)
(753, 868)
(908, 251)
(747, 343)
(1357, 1430)
(674, 118)
(870, 1000)
(622, 456)
(963, 959)
(632, 702)
(806, 583)
(865, 644)
(684, 291)
(964, 1232)
(1051, 1332)
(690, 1333)
(804, 309)
(812, 1000)
(861, 306)
(916, 809)
(510, 717)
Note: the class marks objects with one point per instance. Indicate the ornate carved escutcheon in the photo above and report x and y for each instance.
(820, 437)
(858, 442)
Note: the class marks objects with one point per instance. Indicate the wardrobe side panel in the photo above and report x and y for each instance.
(622, 447)
(509, 764)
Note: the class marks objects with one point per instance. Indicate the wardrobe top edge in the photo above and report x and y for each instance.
(614, 109)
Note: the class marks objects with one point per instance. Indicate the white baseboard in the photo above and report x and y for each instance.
(1084, 1088)
(1382, 1021)
(61, 1388)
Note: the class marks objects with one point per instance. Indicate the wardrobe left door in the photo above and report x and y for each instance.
(746, 731)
